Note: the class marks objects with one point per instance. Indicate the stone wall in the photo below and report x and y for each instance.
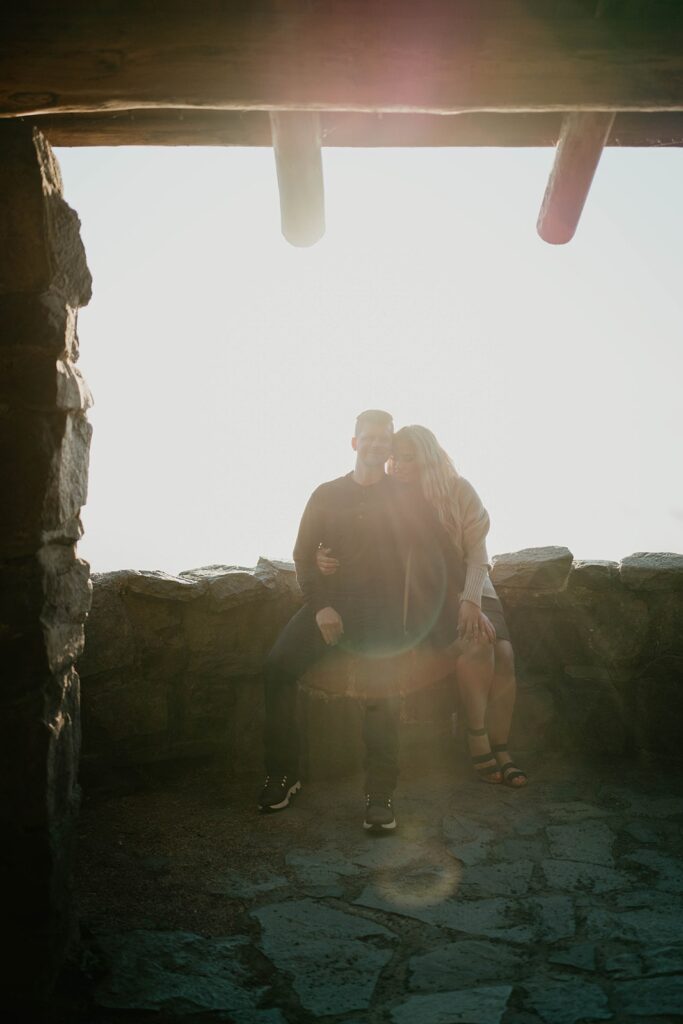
(172, 666)
(44, 587)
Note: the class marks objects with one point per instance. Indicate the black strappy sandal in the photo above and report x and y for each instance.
(482, 769)
(509, 770)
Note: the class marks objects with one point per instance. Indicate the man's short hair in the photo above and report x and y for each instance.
(377, 416)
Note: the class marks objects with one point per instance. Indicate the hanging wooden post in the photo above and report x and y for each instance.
(296, 142)
(578, 152)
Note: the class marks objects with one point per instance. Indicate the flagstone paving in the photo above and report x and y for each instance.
(558, 904)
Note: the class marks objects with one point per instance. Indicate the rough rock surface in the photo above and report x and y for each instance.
(45, 589)
(304, 915)
(172, 666)
(533, 568)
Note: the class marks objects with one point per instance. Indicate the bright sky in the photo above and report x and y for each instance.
(228, 367)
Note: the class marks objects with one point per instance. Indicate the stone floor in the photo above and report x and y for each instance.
(558, 904)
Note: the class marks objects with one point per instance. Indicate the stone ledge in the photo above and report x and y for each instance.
(652, 570)
(540, 569)
(172, 667)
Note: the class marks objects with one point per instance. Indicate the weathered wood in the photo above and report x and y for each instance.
(436, 56)
(296, 143)
(252, 128)
(578, 153)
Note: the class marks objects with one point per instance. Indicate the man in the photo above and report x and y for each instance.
(371, 523)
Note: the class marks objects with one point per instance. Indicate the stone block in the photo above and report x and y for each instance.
(654, 698)
(460, 964)
(202, 712)
(652, 570)
(482, 1005)
(321, 871)
(39, 321)
(26, 263)
(126, 716)
(535, 716)
(334, 957)
(589, 841)
(594, 574)
(161, 585)
(43, 604)
(28, 377)
(613, 630)
(67, 489)
(67, 586)
(178, 974)
(70, 269)
(73, 393)
(235, 639)
(545, 638)
(649, 998)
(497, 879)
(238, 586)
(581, 955)
(30, 447)
(591, 711)
(242, 743)
(532, 569)
(41, 232)
(577, 876)
(666, 624)
(229, 585)
(64, 643)
(21, 595)
(156, 626)
(567, 1001)
(63, 795)
(109, 642)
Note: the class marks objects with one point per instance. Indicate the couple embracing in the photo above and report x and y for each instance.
(388, 563)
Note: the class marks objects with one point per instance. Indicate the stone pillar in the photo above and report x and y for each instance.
(45, 588)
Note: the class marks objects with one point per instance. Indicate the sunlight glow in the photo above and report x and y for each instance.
(228, 367)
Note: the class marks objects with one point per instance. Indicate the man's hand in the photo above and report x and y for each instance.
(330, 625)
(473, 625)
(325, 561)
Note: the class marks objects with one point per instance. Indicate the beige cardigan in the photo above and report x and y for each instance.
(474, 520)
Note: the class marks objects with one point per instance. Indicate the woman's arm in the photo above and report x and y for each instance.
(475, 527)
(472, 623)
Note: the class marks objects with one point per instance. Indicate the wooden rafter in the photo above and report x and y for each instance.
(338, 128)
(578, 153)
(437, 56)
(296, 142)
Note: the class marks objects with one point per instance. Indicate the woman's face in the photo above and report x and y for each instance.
(403, 464)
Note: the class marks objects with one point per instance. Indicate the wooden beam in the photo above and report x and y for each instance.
(438, 56)
(296, 142)
(578, 154)
(338, 128)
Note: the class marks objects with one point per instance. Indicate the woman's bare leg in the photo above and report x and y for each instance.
(474, 673)
(502, 703)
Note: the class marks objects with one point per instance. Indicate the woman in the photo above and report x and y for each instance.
(484, 669)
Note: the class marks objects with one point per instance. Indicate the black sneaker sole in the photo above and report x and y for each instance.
(267, 808)
(376, 827)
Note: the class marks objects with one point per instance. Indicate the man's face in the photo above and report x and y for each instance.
(373, 444)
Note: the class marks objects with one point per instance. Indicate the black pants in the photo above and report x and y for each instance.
(299, 646)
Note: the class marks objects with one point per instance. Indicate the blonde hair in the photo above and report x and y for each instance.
(438, 478)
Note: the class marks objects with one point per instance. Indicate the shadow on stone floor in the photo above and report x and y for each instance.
(558, 904)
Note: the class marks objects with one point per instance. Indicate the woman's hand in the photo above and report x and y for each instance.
(473, 625)
(325, 562)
